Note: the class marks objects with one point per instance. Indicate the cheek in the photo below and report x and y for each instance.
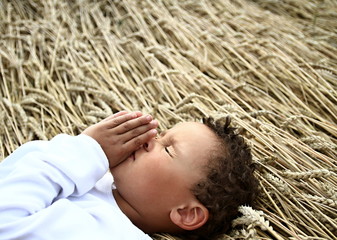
(155, 170)
(155, 175)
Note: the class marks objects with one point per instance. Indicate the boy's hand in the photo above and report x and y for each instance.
(122, 133)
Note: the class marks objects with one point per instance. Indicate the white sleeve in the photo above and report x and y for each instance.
(40, 172)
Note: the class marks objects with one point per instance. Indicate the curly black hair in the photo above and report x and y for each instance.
(230, 181)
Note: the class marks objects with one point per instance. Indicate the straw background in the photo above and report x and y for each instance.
(269, 64)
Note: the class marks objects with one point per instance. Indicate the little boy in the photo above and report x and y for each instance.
(189, 181)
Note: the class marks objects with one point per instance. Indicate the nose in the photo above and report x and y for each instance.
(150, 145)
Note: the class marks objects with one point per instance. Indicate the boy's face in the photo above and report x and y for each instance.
(160, 175)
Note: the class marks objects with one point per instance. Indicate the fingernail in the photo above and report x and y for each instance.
(154, 122)
(148, 117)
(154, 131)
(138, 113)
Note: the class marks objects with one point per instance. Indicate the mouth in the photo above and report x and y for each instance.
(132, 156)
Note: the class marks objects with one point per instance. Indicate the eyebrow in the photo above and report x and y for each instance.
(163, 133)
(176, 147)
(173, 141)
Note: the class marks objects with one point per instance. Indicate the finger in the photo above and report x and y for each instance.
(125, 137)
(139, 113)
(116, 121)
(115, 115)
(138, 141)
(132, 124)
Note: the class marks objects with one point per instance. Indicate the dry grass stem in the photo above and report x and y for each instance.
(271, 65)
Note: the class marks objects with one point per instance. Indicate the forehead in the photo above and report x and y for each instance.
(193, 139)
(191, 128)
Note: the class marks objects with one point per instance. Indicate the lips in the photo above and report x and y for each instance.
(132, 156)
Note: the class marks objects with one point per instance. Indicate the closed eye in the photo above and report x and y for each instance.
(168, 152)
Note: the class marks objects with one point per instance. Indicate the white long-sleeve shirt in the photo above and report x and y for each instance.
(60, 189)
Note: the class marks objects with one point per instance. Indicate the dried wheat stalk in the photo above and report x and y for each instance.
(66, 65)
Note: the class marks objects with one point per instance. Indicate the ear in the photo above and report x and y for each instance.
(190, 217)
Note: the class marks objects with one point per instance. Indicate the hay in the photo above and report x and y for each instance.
(271, 65)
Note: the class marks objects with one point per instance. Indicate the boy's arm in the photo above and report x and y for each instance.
(40, 172)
